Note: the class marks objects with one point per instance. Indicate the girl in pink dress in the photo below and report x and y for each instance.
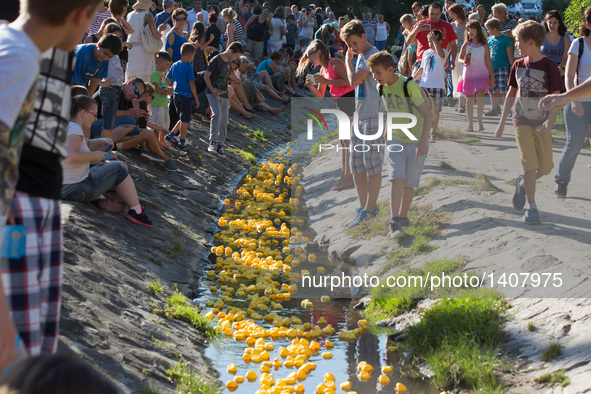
(475, 56)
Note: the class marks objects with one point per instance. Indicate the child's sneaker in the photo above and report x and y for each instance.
(519, 196)
(182, 145)
(211, 148)
(560, 190)
(404, 222)
(532, 216)
(170, 166)
(363, 215)
(140, 219)
(356, 217)
(170, 138)
(496, 111)
(220, 150)
(395, 230)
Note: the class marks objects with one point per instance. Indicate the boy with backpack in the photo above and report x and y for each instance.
(407, 159)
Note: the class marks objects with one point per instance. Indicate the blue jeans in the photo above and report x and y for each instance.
(576, 130)
(381, 45)
(218, 127)
(110, 104)
(99, 180)
(450, 84)
(97, 127)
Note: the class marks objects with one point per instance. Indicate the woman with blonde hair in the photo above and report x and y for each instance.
(140, 63)
(83, 183)
(234, 31)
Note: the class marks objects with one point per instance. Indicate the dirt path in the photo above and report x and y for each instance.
(485, 228)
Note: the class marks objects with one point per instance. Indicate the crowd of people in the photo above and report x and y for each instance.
(82, 79)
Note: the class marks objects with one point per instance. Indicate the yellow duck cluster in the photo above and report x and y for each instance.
(256, 249)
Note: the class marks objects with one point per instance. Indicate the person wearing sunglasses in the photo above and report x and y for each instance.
(126, 133)
(175, 38)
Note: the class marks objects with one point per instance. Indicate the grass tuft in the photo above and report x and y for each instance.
(248, 156)
(450, 134)
(155, 287)
(531, 326)
(178, 308)
(387, 302)
(174, 251)
(190, 381)
(431, 182)
(325, 139)
(472, 140)
(458, 338)
(552, 351)
(556, 377)
(259, 135)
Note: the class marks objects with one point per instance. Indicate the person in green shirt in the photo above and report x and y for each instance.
(324, 34)
(163, 89)
(406, 151)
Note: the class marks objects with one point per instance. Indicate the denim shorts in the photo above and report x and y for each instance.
(97, 127)
(99, 180)
(110, 104)
(184, 107)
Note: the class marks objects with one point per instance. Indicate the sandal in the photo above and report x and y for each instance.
(469, 129)
(252, 116)
(480, 126)
(462, 110)
(109, 205)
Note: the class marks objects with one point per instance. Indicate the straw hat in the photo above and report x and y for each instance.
(143, 5)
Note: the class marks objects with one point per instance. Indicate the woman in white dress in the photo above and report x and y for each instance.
(141, 63)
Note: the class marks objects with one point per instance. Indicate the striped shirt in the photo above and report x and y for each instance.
(238, 34)
(370, 27)
(99, 17)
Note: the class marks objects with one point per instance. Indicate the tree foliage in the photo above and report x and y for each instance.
(574, 14)
(559, 5)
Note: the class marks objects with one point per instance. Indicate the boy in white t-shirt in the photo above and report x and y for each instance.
(432, 72)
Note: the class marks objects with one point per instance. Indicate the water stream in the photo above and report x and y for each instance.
(371, 346)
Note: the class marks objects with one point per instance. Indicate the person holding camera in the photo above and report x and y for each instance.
(307, 24)
(129, 129)
(421, 31)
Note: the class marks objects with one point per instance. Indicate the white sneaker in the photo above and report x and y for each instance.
(212, 148)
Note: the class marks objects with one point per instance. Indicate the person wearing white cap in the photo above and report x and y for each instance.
(140, 63)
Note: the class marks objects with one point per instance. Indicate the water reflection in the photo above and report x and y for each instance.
(369, 347)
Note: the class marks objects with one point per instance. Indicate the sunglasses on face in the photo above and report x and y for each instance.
(180, 19)
(136, 91)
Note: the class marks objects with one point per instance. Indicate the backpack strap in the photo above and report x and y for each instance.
(581, 47)
(407, 95)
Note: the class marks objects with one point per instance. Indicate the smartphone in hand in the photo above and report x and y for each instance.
(141, 122)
